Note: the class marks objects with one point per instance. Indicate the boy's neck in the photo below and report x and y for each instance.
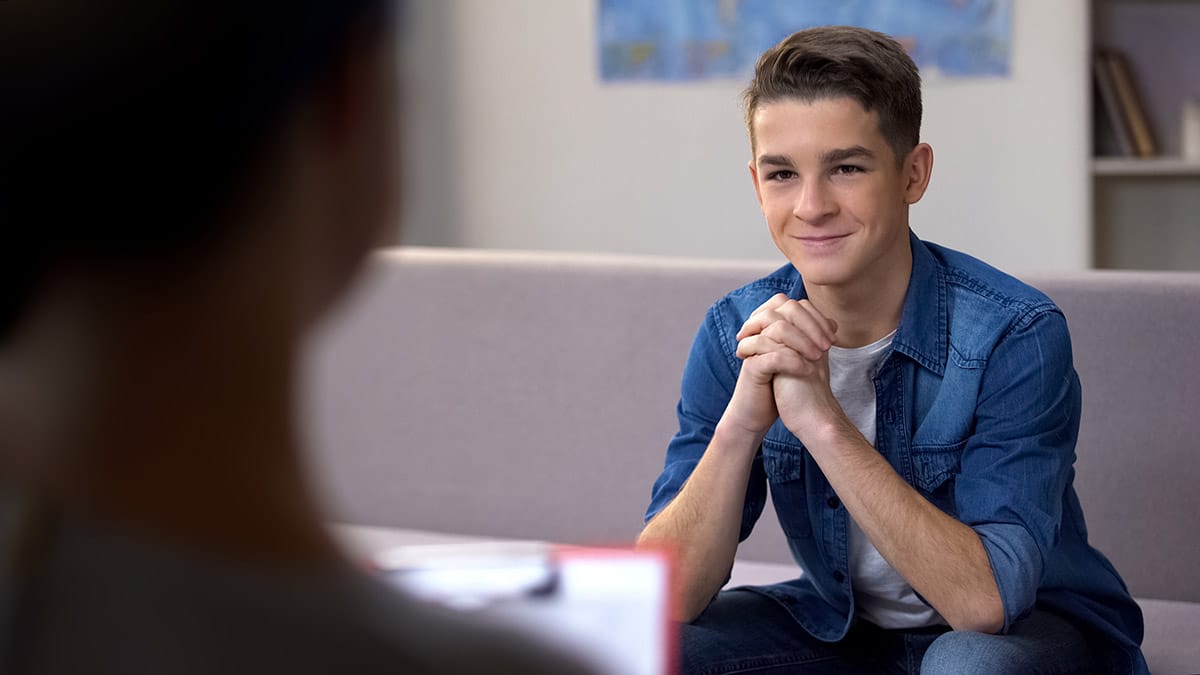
(869, 308)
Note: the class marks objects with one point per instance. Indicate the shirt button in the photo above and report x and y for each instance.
(833, 502)
(838, 576)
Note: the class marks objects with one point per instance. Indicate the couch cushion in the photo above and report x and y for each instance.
(1171, 645)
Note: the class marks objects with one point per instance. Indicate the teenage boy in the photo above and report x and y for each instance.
(913, 411)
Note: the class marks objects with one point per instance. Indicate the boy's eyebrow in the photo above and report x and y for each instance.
(843, 154)
(775, 160)
(828, 157)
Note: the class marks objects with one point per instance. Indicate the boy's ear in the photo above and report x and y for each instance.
(757, 185)
(917, 168)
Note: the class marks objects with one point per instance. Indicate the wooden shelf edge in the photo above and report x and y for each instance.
(1154, 166)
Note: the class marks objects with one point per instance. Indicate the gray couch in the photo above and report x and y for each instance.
(523, 395)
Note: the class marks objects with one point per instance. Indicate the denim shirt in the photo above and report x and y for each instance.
(977, 408)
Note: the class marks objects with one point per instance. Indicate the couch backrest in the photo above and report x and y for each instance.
(532, 395)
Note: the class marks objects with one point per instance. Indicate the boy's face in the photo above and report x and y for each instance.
(834, 198)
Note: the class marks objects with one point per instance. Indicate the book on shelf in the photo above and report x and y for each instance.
(1122, 103)
(1110, 105)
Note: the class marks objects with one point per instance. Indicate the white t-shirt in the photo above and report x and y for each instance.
(883, 596)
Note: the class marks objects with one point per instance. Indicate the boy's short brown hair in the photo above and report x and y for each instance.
(843, 61)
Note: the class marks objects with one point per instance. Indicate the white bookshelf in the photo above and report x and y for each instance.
(1146, 211)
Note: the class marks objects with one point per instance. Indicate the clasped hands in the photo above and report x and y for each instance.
(784, 347)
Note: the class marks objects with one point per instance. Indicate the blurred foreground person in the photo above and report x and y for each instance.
(185, 188)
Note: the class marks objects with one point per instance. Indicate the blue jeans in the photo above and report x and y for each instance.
(744, 632)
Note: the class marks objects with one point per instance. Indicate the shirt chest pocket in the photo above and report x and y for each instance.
(935, 467)
(783, 461)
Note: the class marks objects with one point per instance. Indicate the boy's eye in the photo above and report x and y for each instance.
(847, 169)
(782, 174)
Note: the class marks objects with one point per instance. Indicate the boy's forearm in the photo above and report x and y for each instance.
(942, 558)
(700, 526)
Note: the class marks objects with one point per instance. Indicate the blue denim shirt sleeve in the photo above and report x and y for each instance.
(1018, 462)
(708, 381)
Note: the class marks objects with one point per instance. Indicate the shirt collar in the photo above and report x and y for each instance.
(924, 328)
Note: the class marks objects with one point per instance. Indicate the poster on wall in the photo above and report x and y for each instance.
(691, 40)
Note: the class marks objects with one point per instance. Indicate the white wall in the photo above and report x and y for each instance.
(520, 145)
